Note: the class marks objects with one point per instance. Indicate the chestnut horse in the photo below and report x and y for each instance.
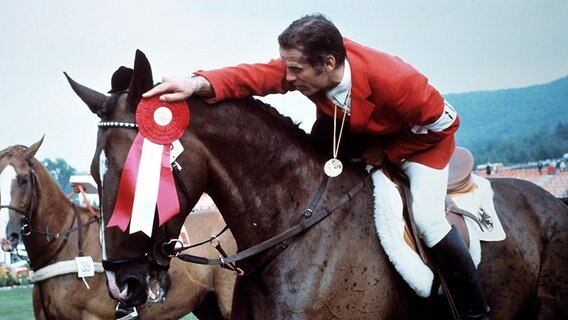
(55, 232)
(262, 171)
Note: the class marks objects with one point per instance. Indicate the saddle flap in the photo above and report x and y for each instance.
(479, 202)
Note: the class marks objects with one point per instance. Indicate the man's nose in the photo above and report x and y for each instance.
(290, 76)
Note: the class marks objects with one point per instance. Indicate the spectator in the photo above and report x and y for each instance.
(539, 166)
(552, 167)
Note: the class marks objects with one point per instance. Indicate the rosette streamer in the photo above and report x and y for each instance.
(147, 179)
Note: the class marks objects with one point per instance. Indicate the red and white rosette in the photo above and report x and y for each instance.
(160, 122)
(147, 180)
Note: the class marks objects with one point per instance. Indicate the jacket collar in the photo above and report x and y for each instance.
(361, 108)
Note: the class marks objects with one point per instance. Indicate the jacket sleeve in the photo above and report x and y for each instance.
(420, 105)
(245, 80)
(418, 102)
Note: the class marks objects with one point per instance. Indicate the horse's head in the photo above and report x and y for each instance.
(136, 264)
(17, 193)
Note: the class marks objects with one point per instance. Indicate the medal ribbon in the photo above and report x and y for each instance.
(336, 145)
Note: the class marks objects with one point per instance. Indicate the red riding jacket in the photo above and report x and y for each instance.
(388, 98)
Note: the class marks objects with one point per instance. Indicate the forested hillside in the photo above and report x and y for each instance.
(514, 125)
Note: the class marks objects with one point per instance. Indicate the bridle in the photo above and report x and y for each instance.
(26, 212)
(155, 257)
(166, 248)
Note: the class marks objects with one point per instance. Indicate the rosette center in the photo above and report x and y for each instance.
(163, 116)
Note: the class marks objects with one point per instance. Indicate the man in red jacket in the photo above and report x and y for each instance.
(378, 94)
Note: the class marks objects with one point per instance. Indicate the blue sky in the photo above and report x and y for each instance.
(459, 45)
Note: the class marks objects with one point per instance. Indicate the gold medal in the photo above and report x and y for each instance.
(333, 167)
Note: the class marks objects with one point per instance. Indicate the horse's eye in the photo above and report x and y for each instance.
(23, 181)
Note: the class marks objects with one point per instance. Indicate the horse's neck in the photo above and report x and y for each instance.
(56, 215)
(53, 210)
(261, 178)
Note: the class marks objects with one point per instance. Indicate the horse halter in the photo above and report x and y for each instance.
(26, 214)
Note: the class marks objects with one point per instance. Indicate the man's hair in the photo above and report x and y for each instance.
(315, 37)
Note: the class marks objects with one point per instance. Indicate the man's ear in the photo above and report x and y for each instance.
(330, 63)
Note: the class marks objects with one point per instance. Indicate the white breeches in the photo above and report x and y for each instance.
(428, 188)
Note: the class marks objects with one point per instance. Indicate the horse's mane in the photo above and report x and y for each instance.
(243, 103)
(319, 139)
(41, 169)
(275, 116)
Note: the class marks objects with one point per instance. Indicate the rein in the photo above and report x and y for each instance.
(65, 234)
(309, 219)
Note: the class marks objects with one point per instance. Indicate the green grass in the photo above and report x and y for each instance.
(17, 305)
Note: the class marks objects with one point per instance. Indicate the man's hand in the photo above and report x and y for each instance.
(173, 89)
(374, 155)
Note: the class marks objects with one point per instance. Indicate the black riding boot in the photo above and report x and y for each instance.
(456, 266)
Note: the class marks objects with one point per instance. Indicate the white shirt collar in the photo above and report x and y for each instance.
(341, 94)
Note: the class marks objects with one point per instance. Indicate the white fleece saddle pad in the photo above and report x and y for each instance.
(389, 223)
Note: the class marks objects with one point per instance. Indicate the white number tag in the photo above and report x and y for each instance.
(85, 266)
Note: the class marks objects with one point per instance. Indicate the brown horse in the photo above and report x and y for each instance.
(55, 232)
(262, 171)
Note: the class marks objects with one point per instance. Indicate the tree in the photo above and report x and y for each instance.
(546, 143)
(562, 130)
(61, 172)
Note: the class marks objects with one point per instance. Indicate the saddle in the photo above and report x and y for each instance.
(397, 232)
(460, 181)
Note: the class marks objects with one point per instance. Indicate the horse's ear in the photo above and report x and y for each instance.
(31, 150)
(141, 80)
(94, 99)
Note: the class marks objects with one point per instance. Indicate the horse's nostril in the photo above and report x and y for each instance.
(134, 286)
